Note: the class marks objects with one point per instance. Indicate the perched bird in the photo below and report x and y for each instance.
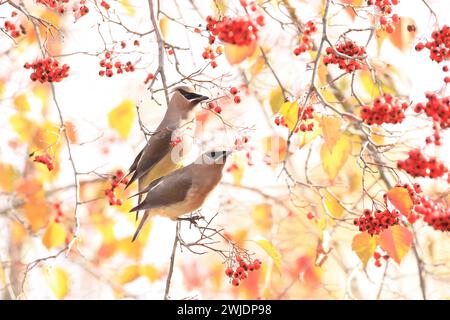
(183, 190)
(160, 155)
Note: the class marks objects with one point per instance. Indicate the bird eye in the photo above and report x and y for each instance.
(213, 154)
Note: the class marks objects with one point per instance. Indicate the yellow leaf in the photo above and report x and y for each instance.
(400, 199)
(257, 66)
(22, 126)
(333, 160)
(271, 251)
(237, 169)
(129, 274)
(54, 236)
(396, 241)
(236, 54)
(150, 272)
(21, 103)
(122, 117)
(128, 7)
(331, 130)
(332, 205)
(364, 246)
(7, 177)
(376, 136)
(289, 110)
(262, 216)
(220, 6)
(58, 281)
(276, 99)
(163, 26)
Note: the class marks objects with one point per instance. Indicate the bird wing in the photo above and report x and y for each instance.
(157, 147)
(170, 189)
(165, 191)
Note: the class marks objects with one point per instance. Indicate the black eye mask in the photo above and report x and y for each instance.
(192, 95)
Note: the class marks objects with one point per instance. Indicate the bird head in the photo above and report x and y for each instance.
(213, 157)
(184, 97)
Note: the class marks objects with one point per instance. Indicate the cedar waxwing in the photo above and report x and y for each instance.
(184, 190)
(155, 159)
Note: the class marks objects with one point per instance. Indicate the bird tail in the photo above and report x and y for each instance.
(141, 224)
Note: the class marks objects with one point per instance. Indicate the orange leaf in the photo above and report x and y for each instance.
(396, 241)
(71, 132)
(364, 246)
(236, 54)
(400, 199)
(401, 37)
(54, 236)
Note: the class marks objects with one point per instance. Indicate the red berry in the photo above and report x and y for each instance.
(233, 90)
(237, 99)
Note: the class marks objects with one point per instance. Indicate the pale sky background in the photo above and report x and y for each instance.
(86, 99)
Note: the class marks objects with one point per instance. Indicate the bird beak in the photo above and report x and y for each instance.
(194, 97)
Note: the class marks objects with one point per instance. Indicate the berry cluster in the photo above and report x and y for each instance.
(437, 109)
(240, 272)
(80, 11)
(117, 179)
(304, 114)
(418, 165)
(59, 213)
(306, 42)
(439, 45)
(47, 70)
(45, 159)
(377, 221)
(377, 256)
(251, 4)
(436, 213)
(108, 64)
(385, 109)
(211, 54)
(14, 30)
(214, 107)
(239, 143)
(385, 6)
(240, 31)
(386, 20)
(352, 59)
(234, 91)
(54, 4)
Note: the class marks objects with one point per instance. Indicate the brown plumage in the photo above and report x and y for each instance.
(184, 190)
